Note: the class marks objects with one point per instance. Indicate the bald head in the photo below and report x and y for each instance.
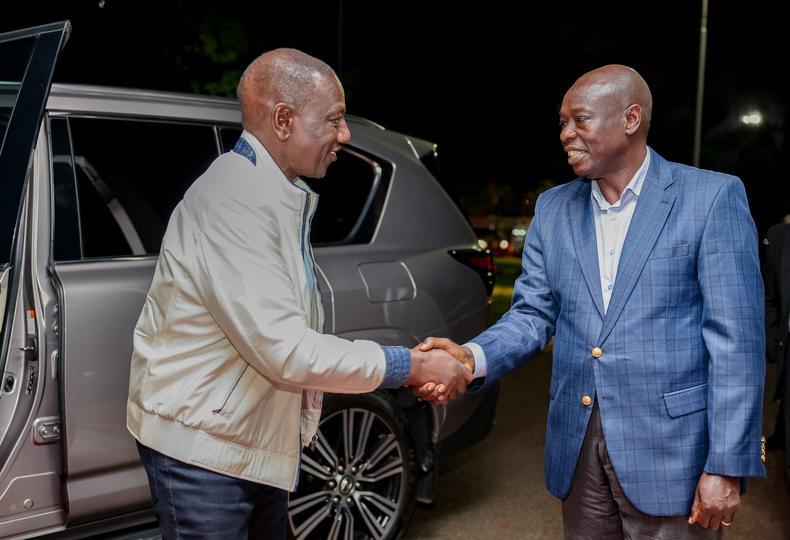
(280, 76)
(623, 85)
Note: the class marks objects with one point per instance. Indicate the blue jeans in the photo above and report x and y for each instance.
(194, 503)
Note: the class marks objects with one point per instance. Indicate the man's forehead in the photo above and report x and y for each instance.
(573, 108)
(581, 96)
(330, 88)
(328, 106)
(593, 87)
(336, 108)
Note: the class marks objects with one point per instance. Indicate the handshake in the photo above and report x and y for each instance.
(440, 369)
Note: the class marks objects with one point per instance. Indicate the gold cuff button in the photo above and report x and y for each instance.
(762, 448)
(586, 401)
(597, 352)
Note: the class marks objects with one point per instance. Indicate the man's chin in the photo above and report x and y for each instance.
(314, 175)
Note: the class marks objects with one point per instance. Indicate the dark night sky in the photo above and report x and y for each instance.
(485, 83)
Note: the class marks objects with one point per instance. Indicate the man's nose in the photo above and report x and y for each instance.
(567, 133)
(343, 134)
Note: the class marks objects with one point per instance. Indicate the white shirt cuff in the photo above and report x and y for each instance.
(480, 360)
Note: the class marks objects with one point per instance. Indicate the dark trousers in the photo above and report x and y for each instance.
(597, 509)
(194, 503)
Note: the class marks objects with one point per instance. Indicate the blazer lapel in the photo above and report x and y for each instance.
(585, 244)
(651, 212)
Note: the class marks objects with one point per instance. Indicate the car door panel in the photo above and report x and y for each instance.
(102, 301)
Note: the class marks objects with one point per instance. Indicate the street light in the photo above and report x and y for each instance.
(703, 39)
(752, 119)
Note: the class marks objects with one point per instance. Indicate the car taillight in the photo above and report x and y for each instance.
(481, 261)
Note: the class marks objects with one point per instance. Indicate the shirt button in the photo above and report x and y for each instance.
(611, 252)
(586, 401)
(597, 352)
(610, 286)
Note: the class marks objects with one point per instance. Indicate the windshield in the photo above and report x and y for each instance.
(14, 58)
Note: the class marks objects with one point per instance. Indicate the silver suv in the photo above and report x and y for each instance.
(89, 177)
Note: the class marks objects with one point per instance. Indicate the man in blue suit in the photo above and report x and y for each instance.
(646, 273)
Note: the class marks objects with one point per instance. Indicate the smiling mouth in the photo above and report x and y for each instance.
(575, 154)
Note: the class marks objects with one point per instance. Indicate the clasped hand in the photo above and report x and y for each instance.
(441, 369)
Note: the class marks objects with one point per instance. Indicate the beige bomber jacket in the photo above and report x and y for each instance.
(229, 361)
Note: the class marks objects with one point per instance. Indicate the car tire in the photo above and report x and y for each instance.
(357, 480)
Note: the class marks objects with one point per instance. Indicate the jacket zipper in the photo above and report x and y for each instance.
(303, 240)
(307, 255)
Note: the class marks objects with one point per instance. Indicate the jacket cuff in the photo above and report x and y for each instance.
(398, 366)
(736, 465)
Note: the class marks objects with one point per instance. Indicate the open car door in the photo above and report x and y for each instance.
(29, 483)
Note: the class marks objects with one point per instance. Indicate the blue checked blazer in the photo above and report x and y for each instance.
(680, 380)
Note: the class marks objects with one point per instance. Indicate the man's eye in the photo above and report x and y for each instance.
(581, 119)
(562, 124)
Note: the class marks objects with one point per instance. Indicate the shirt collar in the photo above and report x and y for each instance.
(633, 189)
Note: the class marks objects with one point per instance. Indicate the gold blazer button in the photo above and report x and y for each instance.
(597, 352)
(586, 401)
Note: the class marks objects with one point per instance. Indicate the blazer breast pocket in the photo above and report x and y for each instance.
(669, 252)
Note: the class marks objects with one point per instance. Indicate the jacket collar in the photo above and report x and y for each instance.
(293, 193)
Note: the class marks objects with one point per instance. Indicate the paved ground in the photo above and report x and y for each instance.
(496, 489)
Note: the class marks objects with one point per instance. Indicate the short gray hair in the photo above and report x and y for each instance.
(280, 75)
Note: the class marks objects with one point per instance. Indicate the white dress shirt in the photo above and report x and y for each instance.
(611, 227)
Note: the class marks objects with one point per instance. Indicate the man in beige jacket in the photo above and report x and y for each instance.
(229, 360)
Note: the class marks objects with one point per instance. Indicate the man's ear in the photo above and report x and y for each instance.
(633, 118)
(282, 121)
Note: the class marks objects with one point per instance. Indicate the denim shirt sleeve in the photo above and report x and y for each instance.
(398, 367)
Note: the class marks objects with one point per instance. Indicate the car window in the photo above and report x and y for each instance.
(351, 196)
(349, 200)
(128, 175)
(66, 232)
(228, 137)
(13, 63)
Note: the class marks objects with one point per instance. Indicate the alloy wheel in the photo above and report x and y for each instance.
(354, 480)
